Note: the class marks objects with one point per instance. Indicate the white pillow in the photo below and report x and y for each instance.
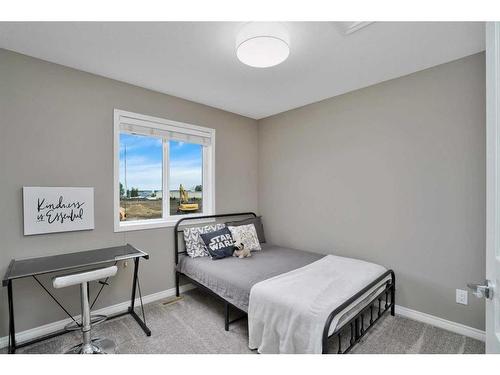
(195, 247)
(247, 235)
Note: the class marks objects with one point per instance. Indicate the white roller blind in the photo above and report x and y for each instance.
(172, 132)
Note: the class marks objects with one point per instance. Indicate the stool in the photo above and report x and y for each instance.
(88, 346)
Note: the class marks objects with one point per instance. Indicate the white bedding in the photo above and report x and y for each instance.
(287, 313)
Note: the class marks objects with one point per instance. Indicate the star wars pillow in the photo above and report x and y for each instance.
(219, 244)
(194, 244)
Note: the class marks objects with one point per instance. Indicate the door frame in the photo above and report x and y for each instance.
(492, 174)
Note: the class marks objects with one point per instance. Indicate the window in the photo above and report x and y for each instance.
(163, 171)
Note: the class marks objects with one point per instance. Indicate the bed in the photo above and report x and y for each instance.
(231, 280)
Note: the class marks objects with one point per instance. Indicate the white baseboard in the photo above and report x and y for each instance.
(400, 310)
(114, 309)
(441, 323)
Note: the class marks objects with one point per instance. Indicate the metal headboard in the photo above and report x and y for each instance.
(195, 218)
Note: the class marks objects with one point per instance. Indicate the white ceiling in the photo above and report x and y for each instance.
(197, 60)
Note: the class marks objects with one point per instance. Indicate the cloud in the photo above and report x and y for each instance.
(147, 175)
(188, 177)
(141, 174)
(138, 142)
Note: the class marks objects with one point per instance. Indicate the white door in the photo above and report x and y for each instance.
(491, 293)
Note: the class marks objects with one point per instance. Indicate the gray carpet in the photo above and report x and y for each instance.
(195, 325)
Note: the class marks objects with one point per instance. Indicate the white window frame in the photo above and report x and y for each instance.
(122, 117)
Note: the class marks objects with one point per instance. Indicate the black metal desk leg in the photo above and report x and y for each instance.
(134, 286)
(12, 329)
(142, 323)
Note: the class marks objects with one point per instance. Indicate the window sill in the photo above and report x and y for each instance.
(128, 226)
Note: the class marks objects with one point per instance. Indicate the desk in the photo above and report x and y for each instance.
(33, 267)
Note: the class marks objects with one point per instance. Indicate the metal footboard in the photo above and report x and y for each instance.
(365, 319)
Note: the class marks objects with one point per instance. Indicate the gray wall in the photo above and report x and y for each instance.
(403, 165)
(56, 127)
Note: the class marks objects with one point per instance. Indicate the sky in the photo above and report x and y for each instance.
(144, 163)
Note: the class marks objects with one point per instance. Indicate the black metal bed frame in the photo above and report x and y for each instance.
(357, 326)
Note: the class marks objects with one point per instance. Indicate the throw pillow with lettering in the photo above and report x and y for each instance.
(219, 244)
(195, 247)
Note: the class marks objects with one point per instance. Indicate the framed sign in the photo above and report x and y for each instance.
(57, 209)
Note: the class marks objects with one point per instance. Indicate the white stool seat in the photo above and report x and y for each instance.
(88, 345)
(82, 277)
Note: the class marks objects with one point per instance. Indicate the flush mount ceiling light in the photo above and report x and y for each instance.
(262, 44)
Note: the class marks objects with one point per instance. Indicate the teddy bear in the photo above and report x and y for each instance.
(240, 251)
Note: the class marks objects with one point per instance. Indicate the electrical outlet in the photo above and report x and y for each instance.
(461, 296)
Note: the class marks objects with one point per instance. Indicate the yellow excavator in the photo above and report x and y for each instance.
(184, 205)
